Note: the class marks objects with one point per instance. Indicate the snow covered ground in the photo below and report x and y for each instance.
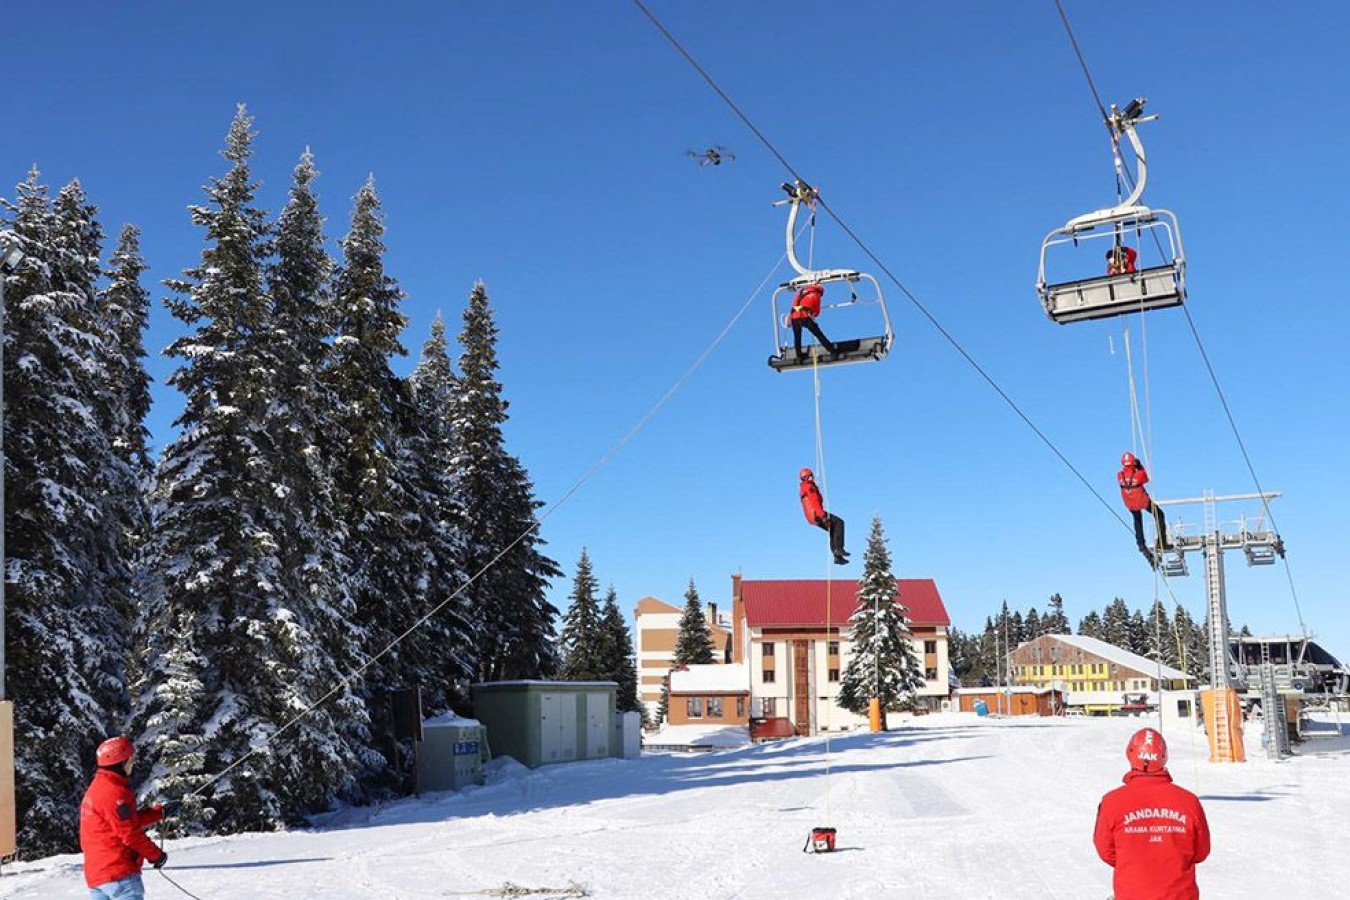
(945, 806)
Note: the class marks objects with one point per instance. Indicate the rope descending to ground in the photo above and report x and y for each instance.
(514, 890)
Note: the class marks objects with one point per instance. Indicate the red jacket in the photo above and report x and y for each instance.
(1122, 265)
(806, 305)
(112, 830)
(812, 504)
(1132, 481)
(1154, 834)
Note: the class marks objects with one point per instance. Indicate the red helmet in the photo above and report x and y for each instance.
(1147, 751)
(1127, 460)
(807, 475)
(114, 751)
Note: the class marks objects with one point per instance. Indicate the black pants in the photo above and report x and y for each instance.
(1159, 519)
(835, 526)
(811, 326)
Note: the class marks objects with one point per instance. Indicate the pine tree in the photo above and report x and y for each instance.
(582, 639)
(883, 662)
(66, 572)
(447, 642)
(1091, 625)
(503, 546)
(223, 612)
(1116, 624)
(1138, 634)
(621, 666)
(1161, 641)
(1054, 621)
(375, 499)
(693, 643)
(1033, 626)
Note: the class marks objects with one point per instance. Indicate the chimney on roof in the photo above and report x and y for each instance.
(712, 614)
(737, 619)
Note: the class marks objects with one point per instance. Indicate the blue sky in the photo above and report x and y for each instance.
(542, 148)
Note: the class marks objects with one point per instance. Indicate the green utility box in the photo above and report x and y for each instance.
(451, 753)
(542, 722)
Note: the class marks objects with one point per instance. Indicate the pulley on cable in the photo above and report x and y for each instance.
(1120, 231)
(798, 302)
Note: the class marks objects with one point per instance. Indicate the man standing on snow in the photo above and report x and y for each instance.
(112, 829)
(1151, 831)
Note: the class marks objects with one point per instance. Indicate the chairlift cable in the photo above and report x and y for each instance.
(884, 268)
(1063, 17)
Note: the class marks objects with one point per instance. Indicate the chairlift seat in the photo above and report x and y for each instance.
(1173, 565)
(1113, 295)
(856, 350)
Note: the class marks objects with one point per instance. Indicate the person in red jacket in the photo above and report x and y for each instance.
(1152, 832)
(112, 829)
(814, 508)
(1132, 477)
(805, 308)
(1120, 260)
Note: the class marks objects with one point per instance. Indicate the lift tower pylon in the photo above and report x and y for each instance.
(1261, 546)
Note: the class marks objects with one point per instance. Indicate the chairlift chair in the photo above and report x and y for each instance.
(847, 350)
(1158, 286)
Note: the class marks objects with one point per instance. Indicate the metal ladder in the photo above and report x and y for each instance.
(1272, 710)
(1218, 634)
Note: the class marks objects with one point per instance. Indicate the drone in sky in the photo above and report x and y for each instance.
(713, 156)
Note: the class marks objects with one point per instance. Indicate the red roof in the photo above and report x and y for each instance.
(778, 604)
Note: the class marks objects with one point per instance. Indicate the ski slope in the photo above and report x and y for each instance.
(945, 806)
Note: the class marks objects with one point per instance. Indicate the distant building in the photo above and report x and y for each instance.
(1094, 675)
(658, 628)
(1022, 700)
(710, 695)
(793, 636)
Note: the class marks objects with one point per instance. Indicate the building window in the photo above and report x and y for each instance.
(714, 707)
(693, 707)
(740, 707)
(832, 648)
(930, 646)
(834, 675)
(769, 705)
(930, 673)
(766, 651)
(768, 676)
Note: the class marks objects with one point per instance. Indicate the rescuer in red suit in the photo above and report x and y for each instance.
(1132, 477)
(112, 829)
(1152, 832)
(1120, 260)
(814, 508)
(805, 308)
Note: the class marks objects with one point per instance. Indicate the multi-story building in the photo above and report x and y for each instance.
(793, 636)
(1094, 675)
(658, 628)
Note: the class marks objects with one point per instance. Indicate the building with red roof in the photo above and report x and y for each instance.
(793, 637)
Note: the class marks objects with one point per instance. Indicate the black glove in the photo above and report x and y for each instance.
(163, 858)
(171, 808)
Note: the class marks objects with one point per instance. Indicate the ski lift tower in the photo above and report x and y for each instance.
(1261, 546)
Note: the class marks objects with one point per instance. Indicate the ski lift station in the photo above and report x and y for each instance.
(542, 722)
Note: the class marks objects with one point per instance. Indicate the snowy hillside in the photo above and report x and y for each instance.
(944, 806)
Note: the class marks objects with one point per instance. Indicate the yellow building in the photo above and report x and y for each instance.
(1095, 676)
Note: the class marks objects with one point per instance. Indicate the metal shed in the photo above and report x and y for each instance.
(542, 722)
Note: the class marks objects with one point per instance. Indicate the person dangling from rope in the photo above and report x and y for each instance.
(1120, 260)
(813, 505)
(805, 308)
(1132, 478)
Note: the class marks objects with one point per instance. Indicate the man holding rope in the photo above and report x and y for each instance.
(112, 829)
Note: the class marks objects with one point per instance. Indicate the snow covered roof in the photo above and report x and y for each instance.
(789, 603)
(711, 679)
(1112, 653)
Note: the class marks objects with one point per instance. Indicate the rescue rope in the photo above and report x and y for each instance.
(829, 576)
